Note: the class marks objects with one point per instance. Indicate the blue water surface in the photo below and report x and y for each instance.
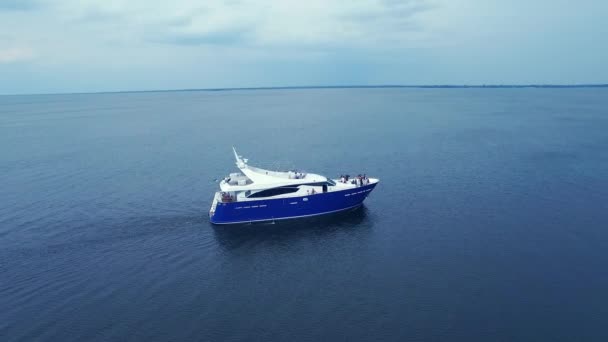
(490, 222)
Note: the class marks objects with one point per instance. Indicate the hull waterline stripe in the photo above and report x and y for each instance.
(287, 218)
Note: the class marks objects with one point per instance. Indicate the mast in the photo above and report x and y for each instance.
(240, 162)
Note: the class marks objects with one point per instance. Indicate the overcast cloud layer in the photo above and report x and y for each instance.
(94, 45)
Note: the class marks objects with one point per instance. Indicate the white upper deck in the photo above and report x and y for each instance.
(258, 179)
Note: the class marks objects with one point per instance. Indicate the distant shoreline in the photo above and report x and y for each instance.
(438, 86)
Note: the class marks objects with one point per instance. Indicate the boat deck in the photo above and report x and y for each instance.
(304, 190)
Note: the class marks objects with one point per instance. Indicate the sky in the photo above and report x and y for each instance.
(56, 46)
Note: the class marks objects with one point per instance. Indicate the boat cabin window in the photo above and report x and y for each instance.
(329, 182)
(273, 192)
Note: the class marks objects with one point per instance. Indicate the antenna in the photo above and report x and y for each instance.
(240, 163)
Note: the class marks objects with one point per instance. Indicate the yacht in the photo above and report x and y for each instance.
(257, 195)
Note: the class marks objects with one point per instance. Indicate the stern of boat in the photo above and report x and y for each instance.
(214, 203)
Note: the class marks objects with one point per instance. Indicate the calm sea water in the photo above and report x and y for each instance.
(490, 223)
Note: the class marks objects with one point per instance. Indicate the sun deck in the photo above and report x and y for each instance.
(242, 194)
(240, 182)
(254, 183)
(254, 178)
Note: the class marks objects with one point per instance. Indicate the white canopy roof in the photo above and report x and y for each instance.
(266, 179)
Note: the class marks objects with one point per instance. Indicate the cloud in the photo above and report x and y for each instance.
(216, 43)
(320, 23)
(19, 5)
(101, 15)
(12, 55)
(210, 38)
(257, 24)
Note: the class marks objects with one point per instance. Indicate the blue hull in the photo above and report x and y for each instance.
(293, 207)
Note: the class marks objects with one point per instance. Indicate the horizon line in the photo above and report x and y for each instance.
(420, 86)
